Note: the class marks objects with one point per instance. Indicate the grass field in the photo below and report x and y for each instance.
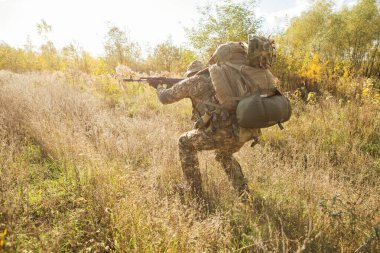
(88, 165)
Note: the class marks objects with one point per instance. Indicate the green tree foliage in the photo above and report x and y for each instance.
(324, 44)
(71, 58)
(49, 58)
(363, 36)
(165, 56)
(76, 59)
(120, 49)
(168, 57)
(304, 35)
(187, 56)
(219, 23)
(17, 60)
(43, 28)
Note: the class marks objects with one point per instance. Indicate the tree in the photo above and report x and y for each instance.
(43, 28)
(165, 55)
(48, 53)
(363, 35)
(120, 49)
(168, 57)
(227, 21)
(340, 43)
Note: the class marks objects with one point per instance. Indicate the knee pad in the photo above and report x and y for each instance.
(183, 140)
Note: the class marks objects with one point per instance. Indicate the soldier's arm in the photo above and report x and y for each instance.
(177, 92)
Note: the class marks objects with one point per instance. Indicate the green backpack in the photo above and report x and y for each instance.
(244, 84)
(258, 111)
(262, 108)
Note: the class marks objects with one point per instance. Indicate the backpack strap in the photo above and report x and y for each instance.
(239, 69)
(234, 66)
(263, 92)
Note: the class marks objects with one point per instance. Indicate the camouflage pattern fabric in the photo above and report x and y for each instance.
(198, 88)
(194, 67)
(220, 133)
(261, 51)
(224, 142)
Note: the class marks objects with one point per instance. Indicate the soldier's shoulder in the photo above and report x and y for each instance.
(201, 79)
(201, 85)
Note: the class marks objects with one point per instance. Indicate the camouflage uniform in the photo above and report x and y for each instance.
(215, 129)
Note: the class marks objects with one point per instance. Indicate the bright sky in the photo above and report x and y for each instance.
(148, 22)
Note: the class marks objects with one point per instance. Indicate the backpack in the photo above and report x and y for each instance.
(244, 84)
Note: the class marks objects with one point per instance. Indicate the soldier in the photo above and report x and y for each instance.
(215, 129)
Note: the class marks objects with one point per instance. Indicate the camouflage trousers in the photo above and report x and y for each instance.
(224, 142)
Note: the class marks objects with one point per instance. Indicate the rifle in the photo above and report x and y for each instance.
(155, 81)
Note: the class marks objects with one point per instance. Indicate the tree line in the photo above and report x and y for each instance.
(321, 46)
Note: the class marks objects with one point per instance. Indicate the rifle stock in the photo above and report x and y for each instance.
(155, 81)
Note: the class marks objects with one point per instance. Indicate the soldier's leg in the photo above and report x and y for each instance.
(189, 160)
(189, 143)
(224, 155)
(233, 170)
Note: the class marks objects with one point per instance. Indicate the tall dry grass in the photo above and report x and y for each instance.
(88, 165)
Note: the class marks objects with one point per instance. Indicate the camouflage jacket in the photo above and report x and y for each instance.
(206, 109)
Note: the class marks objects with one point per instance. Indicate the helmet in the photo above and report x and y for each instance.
(261, 51)
(194, 67)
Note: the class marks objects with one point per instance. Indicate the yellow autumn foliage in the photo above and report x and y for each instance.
(313, 68)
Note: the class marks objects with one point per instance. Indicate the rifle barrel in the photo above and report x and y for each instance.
(133, 80)
(154, 81)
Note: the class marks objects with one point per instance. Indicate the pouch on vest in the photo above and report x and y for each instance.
(228, 84)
